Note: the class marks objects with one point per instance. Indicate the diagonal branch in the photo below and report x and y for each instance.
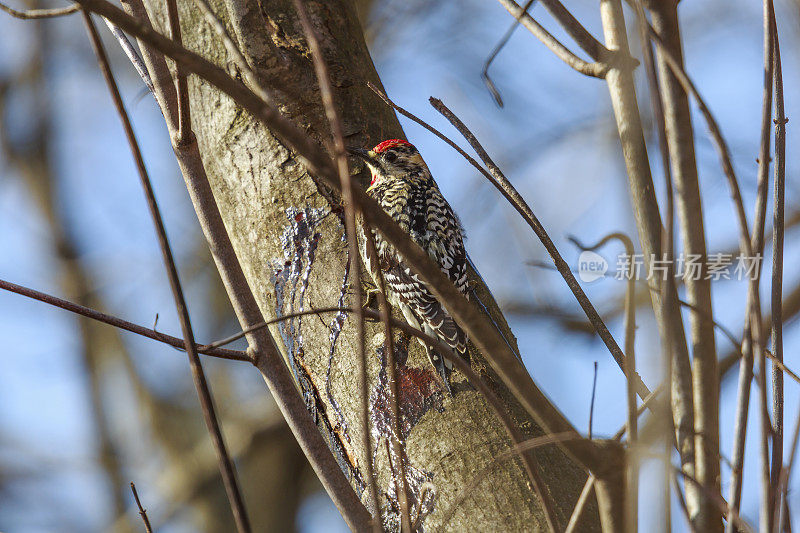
(142, 512)
(262, 347)
(226, 465)
(502, 183)
(575, 29)
(345, 181)
(594, 70)
(222, 353)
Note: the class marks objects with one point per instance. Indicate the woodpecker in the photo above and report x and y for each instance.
(403, 186)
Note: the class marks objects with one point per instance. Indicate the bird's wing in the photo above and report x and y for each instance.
(409, 289)
(445, 241)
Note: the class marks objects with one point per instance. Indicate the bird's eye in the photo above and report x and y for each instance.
(390, 156)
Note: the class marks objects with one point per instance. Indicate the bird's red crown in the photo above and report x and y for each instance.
(385, 145)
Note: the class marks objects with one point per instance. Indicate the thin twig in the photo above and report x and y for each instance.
(630, 323)
(642, 408)
(580, 505)
(719, 501)
(498, 179)
(31, 14)
(676, 358)
(226, 465)
(398, 441)
(142, 511)
(222, 353)
(680, 145)
(265, 323)
(672, 365)
(787, 472)
(591, 401)
(343, 169)
(181, 83)
(777, 273)
(594, 70)
(682, 502)
(631, 501)
(716, 137)
(157, 70)
(133, 56)
(575, 29)
(499, 46)
(768, 489)
(753, 342)
(587, 488)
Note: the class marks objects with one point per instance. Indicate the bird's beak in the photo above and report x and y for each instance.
(369, 157)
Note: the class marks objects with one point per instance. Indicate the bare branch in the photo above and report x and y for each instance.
(226, 465)
(343, 170)
(575, 29)
(630, 367)
(265, 323)
(786, 474)
(682, 501)
(182, 87)
(594, 70)
(498, 47)
(32, 14)
(719, 501)
(222, 353)
(142, 511)
(675, 119)
(777, 275)
(768, 490)
(580, 505)
(498, 179)
(133, 56)
(158, 71)
(716, 137)
(651, 235)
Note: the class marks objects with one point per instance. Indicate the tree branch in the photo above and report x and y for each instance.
(32, 14)
(175, 342)
(594, 70)
(346, 185)
(225, 464)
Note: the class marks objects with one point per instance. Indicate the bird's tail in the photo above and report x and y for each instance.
(445, 328)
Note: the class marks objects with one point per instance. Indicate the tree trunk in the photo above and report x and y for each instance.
(288, 235)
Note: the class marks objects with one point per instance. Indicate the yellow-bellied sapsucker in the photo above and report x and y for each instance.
(403, 186)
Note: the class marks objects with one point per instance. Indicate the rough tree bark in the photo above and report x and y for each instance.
(289, 238)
